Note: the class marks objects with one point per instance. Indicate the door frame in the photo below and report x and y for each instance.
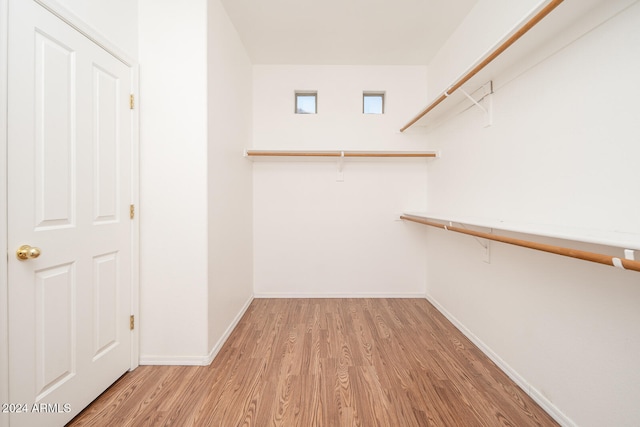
(74, 21)
(4, 289)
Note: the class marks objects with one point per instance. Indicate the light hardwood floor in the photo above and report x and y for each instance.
(326, 362)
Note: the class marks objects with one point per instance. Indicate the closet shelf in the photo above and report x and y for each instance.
(340, 154)
(628, 241)
(616, 239)
(487, 59)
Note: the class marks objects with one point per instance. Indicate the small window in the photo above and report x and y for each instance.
(306, 102)
(373, 102)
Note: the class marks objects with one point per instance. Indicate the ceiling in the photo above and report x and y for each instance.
(345, 32)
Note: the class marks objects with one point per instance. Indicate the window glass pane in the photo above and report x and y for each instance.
(373, 104)
(305, 104)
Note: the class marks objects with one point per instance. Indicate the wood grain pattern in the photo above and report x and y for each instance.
(326, 362)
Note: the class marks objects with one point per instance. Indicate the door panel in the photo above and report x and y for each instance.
(105, 310)
(55, 116)
(105, 127)
(55, 326)
(69, 170)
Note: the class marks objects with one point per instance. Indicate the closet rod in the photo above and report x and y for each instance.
(493, 55)
(559, 250)
(258, 153)
(373, 154)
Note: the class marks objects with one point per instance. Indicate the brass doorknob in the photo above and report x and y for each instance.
(25, 252)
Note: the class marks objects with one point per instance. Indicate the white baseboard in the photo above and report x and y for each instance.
(338, 295)
(544, 403)
(174, 360)
(198, 360)
(216, 348)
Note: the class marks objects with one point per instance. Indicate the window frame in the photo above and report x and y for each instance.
(373, 94)
(305, 93)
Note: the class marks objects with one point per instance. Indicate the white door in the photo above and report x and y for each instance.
(69, 192)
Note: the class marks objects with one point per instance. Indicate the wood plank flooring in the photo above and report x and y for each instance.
(326, 362)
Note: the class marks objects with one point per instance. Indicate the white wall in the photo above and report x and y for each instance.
(230, 238)
(314, 236)
(173, 181)
(483, 28)
(196, 227)
(339, 123)
(563, 150)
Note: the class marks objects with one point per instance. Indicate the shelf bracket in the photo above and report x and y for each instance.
(488, 111)
(485, 244)
(340, 175)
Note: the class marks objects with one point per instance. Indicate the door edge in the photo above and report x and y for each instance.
(4, 288)
(135, 232)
